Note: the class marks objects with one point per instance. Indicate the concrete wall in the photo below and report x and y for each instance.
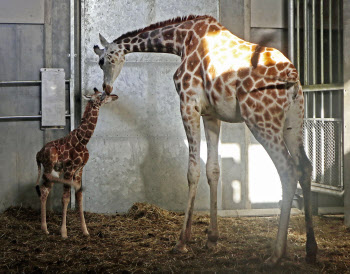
(22, 54)
(139, 152)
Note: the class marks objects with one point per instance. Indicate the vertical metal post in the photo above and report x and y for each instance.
(306, 45)
(71, 82)
(330, 42)
(339, 61)
(321, 42)
(346, 103)
(291, 31)
(298, 35)
(72, 66)
(313, 16)
(306, 81)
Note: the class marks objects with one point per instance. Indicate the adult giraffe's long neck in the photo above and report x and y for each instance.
(165, 37)
(88, 123)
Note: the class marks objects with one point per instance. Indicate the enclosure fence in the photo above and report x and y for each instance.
(316, 49)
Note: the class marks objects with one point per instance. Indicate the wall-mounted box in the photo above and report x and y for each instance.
(53, 99)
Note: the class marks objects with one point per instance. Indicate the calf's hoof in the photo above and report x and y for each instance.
(210, 245)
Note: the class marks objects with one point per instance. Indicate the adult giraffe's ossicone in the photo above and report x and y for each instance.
(224, 78)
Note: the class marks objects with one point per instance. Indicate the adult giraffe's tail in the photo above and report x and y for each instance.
(37, 187)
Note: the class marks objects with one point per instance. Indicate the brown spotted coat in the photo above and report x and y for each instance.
(224, 78)
(67, 156)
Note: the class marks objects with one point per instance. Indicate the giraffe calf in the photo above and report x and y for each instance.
(66, 157)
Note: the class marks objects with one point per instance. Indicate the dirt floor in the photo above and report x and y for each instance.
(140, 241)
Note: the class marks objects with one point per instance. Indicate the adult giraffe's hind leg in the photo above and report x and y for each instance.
(287, 171)
(212, 131)
(293, 138)
(191, 118)
(305, 182)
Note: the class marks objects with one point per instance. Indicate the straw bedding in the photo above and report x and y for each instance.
(141, 240)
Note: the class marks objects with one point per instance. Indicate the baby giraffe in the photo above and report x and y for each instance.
(68, 156)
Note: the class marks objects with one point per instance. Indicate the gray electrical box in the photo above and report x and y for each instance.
(53, 99)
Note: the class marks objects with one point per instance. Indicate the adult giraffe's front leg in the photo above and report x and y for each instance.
(212, 131)
(190, 113)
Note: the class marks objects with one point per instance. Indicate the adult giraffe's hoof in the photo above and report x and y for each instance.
(272, 261)
(86, 233)
(310, 258)
(64, 234)
(179, 248)
(311, 251)
(44, 229)
(213, 237)
(210, 245)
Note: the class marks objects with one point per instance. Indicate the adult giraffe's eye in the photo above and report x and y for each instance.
(101, 62)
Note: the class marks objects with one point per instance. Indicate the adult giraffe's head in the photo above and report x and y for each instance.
(111, 60)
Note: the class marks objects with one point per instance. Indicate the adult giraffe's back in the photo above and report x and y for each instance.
(224, 78)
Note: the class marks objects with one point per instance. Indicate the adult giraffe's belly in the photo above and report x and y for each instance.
(227, 111)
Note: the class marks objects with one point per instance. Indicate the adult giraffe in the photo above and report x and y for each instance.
(224, 78)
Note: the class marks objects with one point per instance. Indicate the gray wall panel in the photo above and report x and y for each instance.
(22, 11)
(21, 57)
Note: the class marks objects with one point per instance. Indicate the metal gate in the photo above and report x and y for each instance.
(316, 49)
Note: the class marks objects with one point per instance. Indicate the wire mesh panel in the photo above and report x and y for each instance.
(322, 141)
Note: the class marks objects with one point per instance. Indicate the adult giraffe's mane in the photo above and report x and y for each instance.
(158, 25)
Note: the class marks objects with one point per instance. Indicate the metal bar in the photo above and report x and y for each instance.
(324, 87)
(298, 35)
(72, 76)
(330, 42)
(72, 66)
(35, 82)
(324, 119)
(313, 15)
(321, 41)
(314, 136)
(339, 78)
(24, 117)
(291, 31)
(322, 138)
(322, 189)
(306, 45)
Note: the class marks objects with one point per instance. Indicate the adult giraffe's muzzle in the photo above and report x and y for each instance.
(107, 88)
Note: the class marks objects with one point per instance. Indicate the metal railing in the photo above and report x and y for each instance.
(25, 83)
(315, 47)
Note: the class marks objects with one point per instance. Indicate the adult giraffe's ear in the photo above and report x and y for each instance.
(103, 41)
(114, 97)
(87, 97)
(97, 50)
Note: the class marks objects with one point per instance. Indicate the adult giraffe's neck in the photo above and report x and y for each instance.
(172, 36)
(88, 123)
(162, 40)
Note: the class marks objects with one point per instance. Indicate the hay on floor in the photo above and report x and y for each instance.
(141, 240)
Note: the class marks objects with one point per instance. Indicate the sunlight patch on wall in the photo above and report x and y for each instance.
(227, 150)
(236, 191)
(264, 181)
